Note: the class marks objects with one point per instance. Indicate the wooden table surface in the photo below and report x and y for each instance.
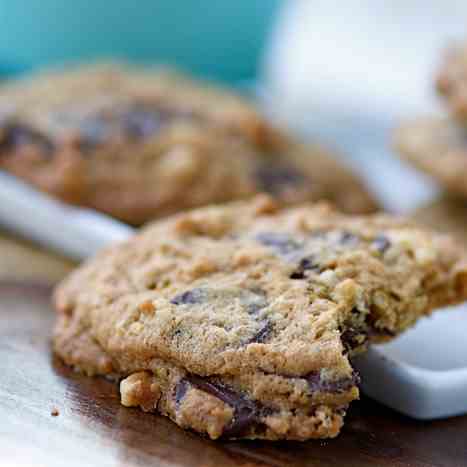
(93, 429)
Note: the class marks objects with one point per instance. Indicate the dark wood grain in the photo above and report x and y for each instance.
(92, 429)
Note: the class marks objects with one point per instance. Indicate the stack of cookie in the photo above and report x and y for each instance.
(236, 320)
(438, 147)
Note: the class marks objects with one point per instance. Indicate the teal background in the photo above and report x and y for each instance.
(220, 39)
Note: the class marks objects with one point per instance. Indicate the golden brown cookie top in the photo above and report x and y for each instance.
(247, 287)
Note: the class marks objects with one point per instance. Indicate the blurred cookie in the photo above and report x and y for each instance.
(445, 214)
(239, 321)
(143, 144)
(451, 81)
(438, 147)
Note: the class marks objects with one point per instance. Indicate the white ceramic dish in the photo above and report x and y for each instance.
(75, 232)
(422, 373)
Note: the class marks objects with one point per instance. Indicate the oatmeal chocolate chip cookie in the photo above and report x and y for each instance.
(144, 144)
(238, 321)
(439, 148)
(451, 81)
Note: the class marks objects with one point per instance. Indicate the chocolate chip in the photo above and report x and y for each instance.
(352, 338)
(190, 297)
(141, 122)
(245, 417)
(246, 412)
(262, 335)
(253, 308)
(15, 135)
(317, 384)
(297, 275)
(136, 122)
(276, 179)
(176, 333)
(381, 243)
(93, 131)
(180, 390)
(280, 242)
(348, 238)
(306, 264)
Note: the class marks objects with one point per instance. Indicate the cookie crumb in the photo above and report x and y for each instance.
(54, 412)
(147, 307)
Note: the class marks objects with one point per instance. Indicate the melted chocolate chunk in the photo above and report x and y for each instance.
(306, 264)
(316, 384)
(280, 242)
(190, 297)
(263, 334)
(381, 243)
(16, 135)
(276, 179)
(246, 412)
(245, 417)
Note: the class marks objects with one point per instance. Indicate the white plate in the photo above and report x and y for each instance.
(422, 373)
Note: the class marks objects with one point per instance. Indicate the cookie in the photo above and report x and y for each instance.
(451, 80)
(139, 144)
(238, 321)
(445, 214)
(438, 147)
